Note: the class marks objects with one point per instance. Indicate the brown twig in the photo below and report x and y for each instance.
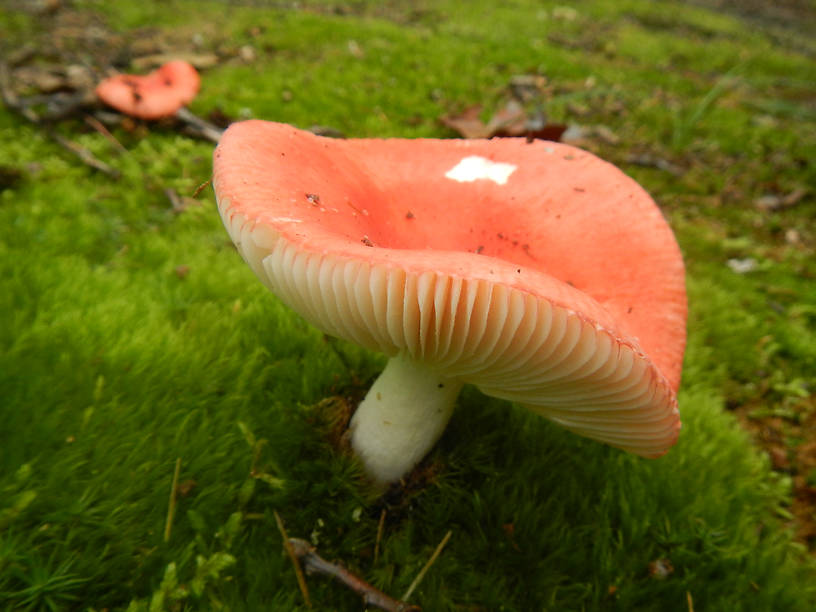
(196, 126)
(100, 127)
(84, 155)
(425, 569)
(201, 188)
(315, 564)
(295, 558)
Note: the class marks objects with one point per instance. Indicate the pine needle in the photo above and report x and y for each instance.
(100, 127)
(171, 507)
(424, 570)
(295, 561)
(201, 188)
(379, 536)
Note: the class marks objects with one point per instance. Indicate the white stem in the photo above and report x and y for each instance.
(401, 418)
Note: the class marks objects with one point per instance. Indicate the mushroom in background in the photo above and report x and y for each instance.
(534, 271)
(162, 93)
(153, 96)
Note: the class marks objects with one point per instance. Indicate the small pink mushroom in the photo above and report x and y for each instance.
(535, 271)
(153, 96)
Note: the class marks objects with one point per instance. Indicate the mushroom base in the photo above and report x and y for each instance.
(401, 418)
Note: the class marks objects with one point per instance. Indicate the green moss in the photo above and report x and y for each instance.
(134, 335)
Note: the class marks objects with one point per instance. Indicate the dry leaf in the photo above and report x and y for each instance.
(467, 124)
(512, 120)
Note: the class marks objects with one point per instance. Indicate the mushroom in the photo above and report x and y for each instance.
(153, 96)
(535, 271)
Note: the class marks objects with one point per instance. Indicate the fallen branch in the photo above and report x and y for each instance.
(315, 564)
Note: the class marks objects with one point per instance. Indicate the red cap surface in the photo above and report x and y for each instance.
(535, 271)
(153, 96)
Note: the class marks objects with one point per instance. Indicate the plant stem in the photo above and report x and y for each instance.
(171, 507)
(427, 566)
(401, 418)
(292, 551)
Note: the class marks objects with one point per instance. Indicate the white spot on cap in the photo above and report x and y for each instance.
(473, 168)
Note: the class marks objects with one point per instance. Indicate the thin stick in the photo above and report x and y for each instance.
(372, 596)
(84, 155)
(198, 126)
(430, 562)
(100, 127)
(290, 550)
(379, 536)
(175, 200)
(171, 508)
(201, 187)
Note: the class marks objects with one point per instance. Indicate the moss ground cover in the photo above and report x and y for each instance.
(132, 335)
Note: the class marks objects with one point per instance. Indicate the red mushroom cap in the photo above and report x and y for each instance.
(535, 271)
(153, 96)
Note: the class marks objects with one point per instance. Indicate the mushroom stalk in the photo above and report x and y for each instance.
(402, 417)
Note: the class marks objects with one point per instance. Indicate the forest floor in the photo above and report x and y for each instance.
(136, 335)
